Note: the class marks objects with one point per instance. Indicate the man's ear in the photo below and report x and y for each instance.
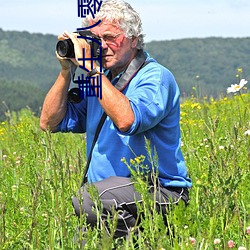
(134, 42)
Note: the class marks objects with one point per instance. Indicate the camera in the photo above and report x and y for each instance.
(65, 48)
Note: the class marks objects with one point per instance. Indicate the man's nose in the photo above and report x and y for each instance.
(104, 44)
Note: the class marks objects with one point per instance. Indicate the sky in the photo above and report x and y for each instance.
(162, 19)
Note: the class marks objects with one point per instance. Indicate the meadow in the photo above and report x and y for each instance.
(40, 172)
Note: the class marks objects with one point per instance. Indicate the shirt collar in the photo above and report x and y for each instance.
(115, 80)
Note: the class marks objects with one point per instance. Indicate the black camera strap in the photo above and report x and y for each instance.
(136, 64)
(97, 132)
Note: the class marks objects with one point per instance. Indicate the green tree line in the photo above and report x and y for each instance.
(204, 67)
(209, 64)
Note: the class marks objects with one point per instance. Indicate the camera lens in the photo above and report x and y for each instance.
(65, 48)
(74, 95)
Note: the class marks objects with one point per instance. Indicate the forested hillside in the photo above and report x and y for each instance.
(209, 64)
(28, 66)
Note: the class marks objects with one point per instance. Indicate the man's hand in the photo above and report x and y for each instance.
(79, 45)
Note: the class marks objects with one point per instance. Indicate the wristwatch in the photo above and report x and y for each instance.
(93, 72)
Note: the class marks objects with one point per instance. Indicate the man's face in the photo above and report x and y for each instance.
(117, 50)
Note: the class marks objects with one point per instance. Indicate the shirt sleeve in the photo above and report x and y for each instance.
(152, 98)
(75, 118)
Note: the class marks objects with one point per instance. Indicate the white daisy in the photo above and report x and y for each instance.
(237, 87)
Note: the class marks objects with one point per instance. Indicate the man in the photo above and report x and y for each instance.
(141, 100)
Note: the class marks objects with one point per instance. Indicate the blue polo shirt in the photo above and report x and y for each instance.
(154, 98)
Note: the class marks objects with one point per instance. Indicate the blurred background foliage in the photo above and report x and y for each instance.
(202, 67)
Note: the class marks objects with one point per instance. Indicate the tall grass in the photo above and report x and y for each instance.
(40, 172)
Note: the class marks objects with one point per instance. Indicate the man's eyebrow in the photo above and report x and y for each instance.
(109, 32)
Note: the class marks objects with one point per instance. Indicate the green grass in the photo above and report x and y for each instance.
(40, 172)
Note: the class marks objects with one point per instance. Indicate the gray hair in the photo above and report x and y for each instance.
(122, 14)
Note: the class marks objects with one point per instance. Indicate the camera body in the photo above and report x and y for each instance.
(65, 48)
